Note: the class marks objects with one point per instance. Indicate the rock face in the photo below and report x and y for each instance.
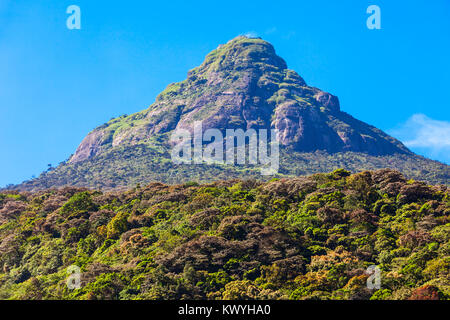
(244, 84)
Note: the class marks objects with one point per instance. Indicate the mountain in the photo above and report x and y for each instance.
(245, 85)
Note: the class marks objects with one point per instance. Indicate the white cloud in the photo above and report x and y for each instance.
(289, 35)
(431, 137)
(271, 30)
(251, 34)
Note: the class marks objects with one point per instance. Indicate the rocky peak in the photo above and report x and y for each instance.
(239, 54)
(245, 84)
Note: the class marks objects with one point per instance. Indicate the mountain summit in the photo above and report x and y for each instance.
(245, 84)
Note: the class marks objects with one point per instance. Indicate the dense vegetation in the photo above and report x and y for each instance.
(300, 238)
(125, 166)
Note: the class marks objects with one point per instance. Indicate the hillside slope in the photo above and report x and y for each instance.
(126, 166)
(301, 238)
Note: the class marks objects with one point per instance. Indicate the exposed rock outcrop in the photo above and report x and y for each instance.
(244, 84)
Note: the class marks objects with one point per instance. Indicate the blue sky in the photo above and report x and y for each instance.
(58, 84)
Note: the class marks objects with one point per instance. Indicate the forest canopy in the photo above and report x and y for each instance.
(296, 238)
